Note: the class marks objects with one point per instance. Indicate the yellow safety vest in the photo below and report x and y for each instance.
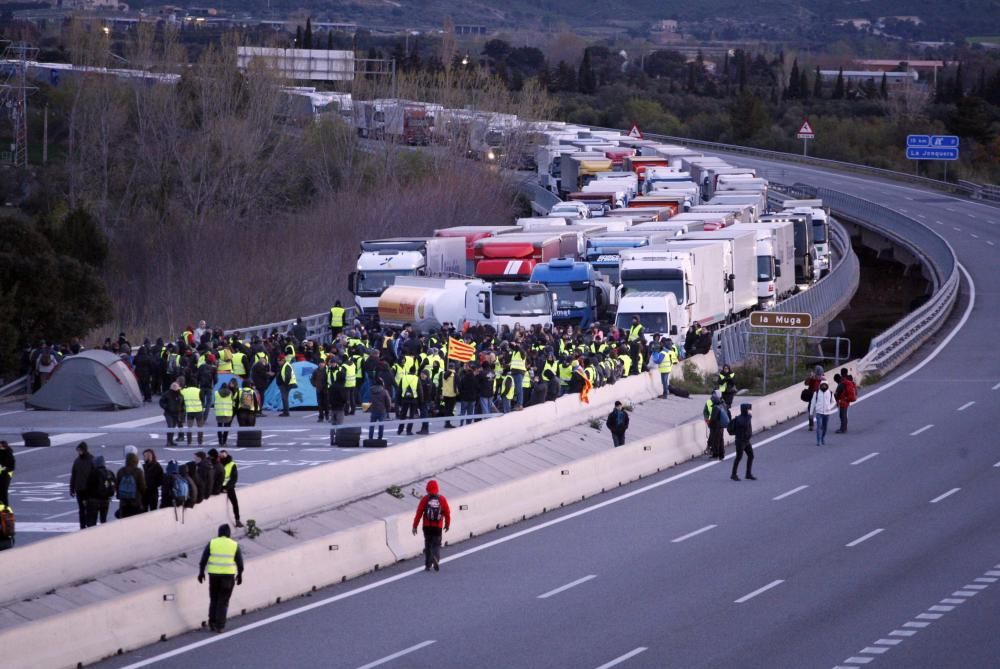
(635, 332)
(225, 361)
(448, 387)
(227, 472)
(223, 406)
(626, 364)
(552, 367)
(350, 375)
(408, 386)
(260, 356)
(526, 381)
(337, 317)
(565, 374)
(667, 363)
(239, 363)
(192, 399)
(507, 386)
(725, 380)
(292, 381)
(517, 362)
(222, 556)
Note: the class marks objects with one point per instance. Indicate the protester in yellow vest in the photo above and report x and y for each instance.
(223, 562)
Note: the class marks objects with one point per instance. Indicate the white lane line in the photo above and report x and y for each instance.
(997, 464)
(981, 579)
(929, 616)
(865, 537)
(957, 229)
(564, 588)
(945, 495)
(902, 633)
(685, 537)
(990, 243)
(874, 650)
(865, 459)
(993, 573)
(390, 658)
(859, 660)
(996, 387)
(939, 222)
(627, 656)
(888, 642)
(923, 429)
(952, 600)
(64, 513)
(751, 595)
(10, 413)
(974, 586)
(974, 235)
(966, 405)
(944, 343)
(940, 608)
(915, 625)
(789, 493)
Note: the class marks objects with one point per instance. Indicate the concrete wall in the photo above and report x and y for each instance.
(155, 535)
(140, 618)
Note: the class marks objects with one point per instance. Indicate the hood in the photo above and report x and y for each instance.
(99, 461)
(716, 395)
(432, 487)
(171, 468)
(224, 530)
(745, 408)
(224, 391)
(132, 460)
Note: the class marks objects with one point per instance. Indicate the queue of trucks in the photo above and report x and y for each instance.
(647, 230)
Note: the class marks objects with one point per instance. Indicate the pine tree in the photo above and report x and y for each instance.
(690, 86)
(818, 85)
(587, 78)
(958, 91)
(329, 40)
(298, 37)
(743, 74)
(838, 87)
(884, 89)
(725, 74)
(803, 85)
(794, 92)
(307, 38)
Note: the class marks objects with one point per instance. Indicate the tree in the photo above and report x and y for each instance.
(565, 77)
(298, 37)
(747, 116)
(307, 37)
(818, 85)
(690, 85)
(971, 119)
(958, 86)
(329, 40)
(838, 86)
(803, 85)
(743, 75)
(794, 91)
(587, 79)
(665, 64)
(496, 50)
(884, 88)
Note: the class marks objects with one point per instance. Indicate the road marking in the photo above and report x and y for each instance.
(939, 222)
(923, 429)
(966, 315)
(952, 600)
(974, 586)
(929, 616)
(859, 660)
(918, 626)
(939, 608)
(902, 633)
(865, 537)
(564, 588)
(627, 656)
(957, 229)
(60, 515)
(865, 459)
(981, 579)
(749, 596)
(10, 413)
(997, 464)
(990, 243)
(996, 387)
(874, 650)
(390, 658)
(966, 405)
(889, 642)
(945, 495)
(993, 573)
(687, 536)
(789, 493)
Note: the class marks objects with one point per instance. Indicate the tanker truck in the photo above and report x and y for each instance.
(428, 303)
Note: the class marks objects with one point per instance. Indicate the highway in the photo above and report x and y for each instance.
(880, 548)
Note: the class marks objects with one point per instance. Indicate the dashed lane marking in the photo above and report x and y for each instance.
(622, 658)
(791, 492)
(747, 597)
(564, 588)
(945, 495)
(923, 429)
(966, 405)
(866, 537)
(865, 459)
(685, 537)
(390, 658)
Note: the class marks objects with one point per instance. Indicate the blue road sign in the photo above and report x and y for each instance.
(942, 141)
(931, 153)
(918, 140)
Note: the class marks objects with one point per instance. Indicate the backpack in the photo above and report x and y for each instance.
(46, 359)
(850, 391)
(128, 491)
(731, 427)
(246, 400)
(6, 524)
(180, 489)
(432, 510)
(106, 484)
(723, 419)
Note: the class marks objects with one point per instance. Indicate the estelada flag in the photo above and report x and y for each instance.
(587, 385)
(459, 350)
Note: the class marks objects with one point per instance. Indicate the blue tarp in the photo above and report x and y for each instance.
(304, 396)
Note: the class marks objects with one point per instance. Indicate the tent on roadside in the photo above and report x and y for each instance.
(89, 381)
(301, 397)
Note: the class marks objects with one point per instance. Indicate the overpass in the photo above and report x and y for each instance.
(652, 574)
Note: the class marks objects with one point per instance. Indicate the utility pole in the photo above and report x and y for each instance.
(14, 97)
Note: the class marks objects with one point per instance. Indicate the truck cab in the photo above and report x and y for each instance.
(582, 295)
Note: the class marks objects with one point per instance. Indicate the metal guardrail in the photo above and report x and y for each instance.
(985, 192)
(828, 295)
(317, 326)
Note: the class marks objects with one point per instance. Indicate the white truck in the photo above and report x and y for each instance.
(742, 213)
(382, 260)
(428, 303)
(693, 272)
(775, 261)
(820, 228)
(740, 266)
(755, 199)
(709, 220)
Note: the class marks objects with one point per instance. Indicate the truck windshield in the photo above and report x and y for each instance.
(521, 304)
(765, 268)
(568, 298)
(819, 232)
(653, 323)
(656, 280)
(373, 283)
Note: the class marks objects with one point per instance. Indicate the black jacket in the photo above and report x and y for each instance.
(468, 387)
(78, 478)
(742, 427)
(154, 476)
(617, 423)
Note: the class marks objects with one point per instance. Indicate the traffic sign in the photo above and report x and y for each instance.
(931, 153)
(635, 132)
(918, 140)
(942, 141)
(780, 319)
(805, 131)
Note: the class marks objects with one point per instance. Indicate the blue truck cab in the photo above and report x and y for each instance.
(582, 295)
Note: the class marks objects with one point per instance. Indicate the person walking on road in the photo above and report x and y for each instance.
(153, 472)
(173, 410)
(7, 464)
(822, 406)
(130, 483)
(230, 476)
(742, 428)
(435, 513)
(286, 381)
(617, 423)
(225, 406)
(247, 405)
(223, 562)
(78, 478)
(846, 394)
(718, 420)
(379, 407)
(101, 487)
(727, 385)
(811, 386)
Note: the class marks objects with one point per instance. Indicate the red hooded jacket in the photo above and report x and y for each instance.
(445, 522)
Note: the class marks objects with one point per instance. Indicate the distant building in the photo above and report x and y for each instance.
(909, 65)
(471, 30)
(893, 79)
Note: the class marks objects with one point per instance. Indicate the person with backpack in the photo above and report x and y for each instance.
(846, 394)
(811, 386)
(131, 487)
(822, 406)
(224, 563)
(719, 420)
(617, 423)
(101, 487)
(79, 475)
(409, 400)
(435, 513)
(230, 477)
(153, 472)
(247, 405)
(7, 465)
(741, 427)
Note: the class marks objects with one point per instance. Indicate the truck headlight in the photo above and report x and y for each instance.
(491, 156)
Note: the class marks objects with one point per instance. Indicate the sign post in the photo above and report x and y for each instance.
(805, 133)
(769, 320)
